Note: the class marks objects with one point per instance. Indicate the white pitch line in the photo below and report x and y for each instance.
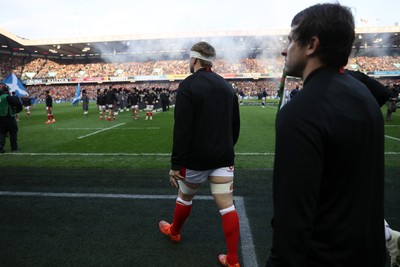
(78, 129)
(118, 154)
(130, 128)
(99, 131)
(254, 154)
(391, 137)
(247, 244)
(137, 154)
(246, 238)
(90, 154)
(141, 128)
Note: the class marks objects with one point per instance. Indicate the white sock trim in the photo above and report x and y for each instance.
(387, 234)
(184, 202)
(392, 243)
(227, 210)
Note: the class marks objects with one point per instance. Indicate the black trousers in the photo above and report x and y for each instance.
(8, 125)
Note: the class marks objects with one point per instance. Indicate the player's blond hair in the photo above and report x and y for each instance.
(206, 50)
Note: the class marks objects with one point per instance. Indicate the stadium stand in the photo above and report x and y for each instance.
(251, 61)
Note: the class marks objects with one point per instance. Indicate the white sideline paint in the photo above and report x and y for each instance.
(246, 239)
(138, 154)
(391, 137)
(102, 130)
(122, 154)
(90, 154)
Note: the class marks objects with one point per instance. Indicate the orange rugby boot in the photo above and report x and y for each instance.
(222, 260)
(165, 229)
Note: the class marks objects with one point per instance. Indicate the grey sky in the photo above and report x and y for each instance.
(51, 19)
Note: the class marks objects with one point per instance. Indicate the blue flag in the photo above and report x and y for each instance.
(77, 95)
(15, 85)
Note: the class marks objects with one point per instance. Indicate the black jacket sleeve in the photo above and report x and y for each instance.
(236, 120)
(378, 90)
(15, 103)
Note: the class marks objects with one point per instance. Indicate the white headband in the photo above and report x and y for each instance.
(200, 56)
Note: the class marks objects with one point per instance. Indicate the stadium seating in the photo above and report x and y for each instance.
(59, 71)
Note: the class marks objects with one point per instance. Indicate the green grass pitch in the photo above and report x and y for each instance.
(89, 192)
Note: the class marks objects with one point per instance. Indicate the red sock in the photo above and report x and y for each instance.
(52, 116)
(151, 114)
(230, 223)
(180, 215)
(48, 117)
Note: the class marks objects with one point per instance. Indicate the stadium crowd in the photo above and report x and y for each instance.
(245, 88)
(40, 68)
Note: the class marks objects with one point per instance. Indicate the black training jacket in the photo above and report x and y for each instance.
(207, 122)
(328, 182)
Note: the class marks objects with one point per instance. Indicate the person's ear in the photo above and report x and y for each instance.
(313, 45)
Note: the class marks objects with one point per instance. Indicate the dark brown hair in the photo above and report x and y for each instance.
(333, 24)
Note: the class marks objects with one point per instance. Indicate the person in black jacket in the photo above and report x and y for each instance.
(110, 100)
(49, 108)
(133, 103)
(206, 129)
(378, 90)
(328, 206)
(85, 103)
(381, 95)
(150, 99)
(391, 102)
(164, 98)
(26, 102)
(9, 107)
(294, 92)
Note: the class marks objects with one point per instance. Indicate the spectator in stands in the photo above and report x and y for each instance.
(66, 69)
